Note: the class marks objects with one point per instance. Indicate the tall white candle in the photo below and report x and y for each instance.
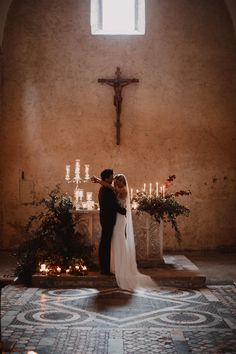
(77, 166)
(161, 191)
(150, 188)
(67, 177)
(89, 196)
(86, 168)
(144, 187)
(164, 191)
(77, 171)
(81, 194)
(77, 193)
(157, 192)
(131, 193)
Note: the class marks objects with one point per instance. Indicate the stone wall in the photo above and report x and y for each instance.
(179, 119)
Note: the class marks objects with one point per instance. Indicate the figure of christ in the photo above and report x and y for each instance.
(118, 83)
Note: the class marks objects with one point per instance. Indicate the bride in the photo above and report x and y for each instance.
(123, 255)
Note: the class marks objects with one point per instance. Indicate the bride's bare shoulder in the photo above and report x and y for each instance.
(123, 192)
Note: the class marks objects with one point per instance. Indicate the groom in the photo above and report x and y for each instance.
(109, 207)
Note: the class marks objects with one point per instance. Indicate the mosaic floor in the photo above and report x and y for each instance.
(86, 321)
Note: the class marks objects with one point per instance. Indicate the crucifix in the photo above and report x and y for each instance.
(118, 83)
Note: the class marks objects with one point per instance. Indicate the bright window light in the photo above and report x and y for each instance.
(118, 17)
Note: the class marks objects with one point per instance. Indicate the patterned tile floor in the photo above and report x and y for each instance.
(84, 321)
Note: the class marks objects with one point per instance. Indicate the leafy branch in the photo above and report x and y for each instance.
(166, 209)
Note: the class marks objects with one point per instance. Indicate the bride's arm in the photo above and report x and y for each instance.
(95, 179)
(122, 192)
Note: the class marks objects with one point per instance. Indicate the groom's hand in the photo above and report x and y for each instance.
(95, 179)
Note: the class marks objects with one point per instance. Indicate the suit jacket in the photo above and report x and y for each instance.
(109, 207)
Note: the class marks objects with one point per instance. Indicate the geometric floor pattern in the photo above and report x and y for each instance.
(87, 321)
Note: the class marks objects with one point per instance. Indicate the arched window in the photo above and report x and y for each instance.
(118, 17)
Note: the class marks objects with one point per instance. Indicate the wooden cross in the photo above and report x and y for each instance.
(118, 83)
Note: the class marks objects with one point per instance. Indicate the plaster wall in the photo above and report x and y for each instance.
(179, 119)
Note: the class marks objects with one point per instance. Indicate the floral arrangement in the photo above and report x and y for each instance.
(163, 206)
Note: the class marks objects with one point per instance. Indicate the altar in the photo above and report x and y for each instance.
(148, 235)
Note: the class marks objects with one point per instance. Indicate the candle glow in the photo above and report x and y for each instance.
(67, 177)
(163, 189)
(43, 268)
(77, 171)
(157, 191)
(86, 173)
(150, 189)
(131, 193)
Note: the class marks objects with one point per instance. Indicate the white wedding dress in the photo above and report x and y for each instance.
(123, 254)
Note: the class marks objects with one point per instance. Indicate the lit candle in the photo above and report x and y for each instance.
(59, 269)
(163, 191)
(43, 268)
(86, 173)
(144, 187)
(84, 267)
(67, 177)
(137, 191)
(81, 194)
(85, 205)
(77, 171)
(77, 267)
(67, 271)
(150, 189)
(157, 192)
(131, 193)
(89, 196)
(76, 195)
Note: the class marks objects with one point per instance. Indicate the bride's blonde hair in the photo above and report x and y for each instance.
(120, 178)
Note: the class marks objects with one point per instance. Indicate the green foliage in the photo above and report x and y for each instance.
(167, 209)
(51, 235)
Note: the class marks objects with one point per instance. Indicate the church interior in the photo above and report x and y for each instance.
(80, 93)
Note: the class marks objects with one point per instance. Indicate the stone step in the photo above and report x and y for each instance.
(177, 271)
(184, 280)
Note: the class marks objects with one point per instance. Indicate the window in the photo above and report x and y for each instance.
(118, 17)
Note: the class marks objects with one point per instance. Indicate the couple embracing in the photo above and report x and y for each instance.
(117, 247)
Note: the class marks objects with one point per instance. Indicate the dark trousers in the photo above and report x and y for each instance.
(105, 248)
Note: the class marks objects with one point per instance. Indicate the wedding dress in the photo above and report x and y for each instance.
(123, 254)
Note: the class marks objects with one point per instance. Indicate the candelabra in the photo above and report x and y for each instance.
(79, 192)
(77, 179)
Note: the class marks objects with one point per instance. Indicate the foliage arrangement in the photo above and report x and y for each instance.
(162, 207)
(52, 238)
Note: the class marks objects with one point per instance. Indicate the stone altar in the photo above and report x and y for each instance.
(148, 235)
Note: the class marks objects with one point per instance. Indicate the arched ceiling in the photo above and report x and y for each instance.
(5, 5)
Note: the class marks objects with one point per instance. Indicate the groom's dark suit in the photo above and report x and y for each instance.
(109, 207)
